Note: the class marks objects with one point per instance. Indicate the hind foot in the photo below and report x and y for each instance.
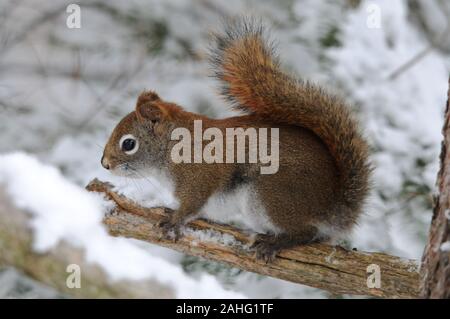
(267, 247)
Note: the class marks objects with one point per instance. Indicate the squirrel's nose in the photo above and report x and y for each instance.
(105, 163)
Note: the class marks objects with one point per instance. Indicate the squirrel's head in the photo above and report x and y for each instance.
(140, 140)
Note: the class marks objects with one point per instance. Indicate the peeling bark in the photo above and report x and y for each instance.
(331, 268)
(435, 269)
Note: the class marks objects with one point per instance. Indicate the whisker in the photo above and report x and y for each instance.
(147, 180)
(98, 145)
(134, 184)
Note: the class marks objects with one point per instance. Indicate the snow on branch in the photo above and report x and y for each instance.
(331, 268)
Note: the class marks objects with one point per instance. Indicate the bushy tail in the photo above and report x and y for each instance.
(251, 78)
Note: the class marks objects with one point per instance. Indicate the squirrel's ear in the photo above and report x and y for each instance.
(149, 111)
(147, 96)
(147, 108)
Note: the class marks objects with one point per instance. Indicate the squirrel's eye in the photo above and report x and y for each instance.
(129, 144)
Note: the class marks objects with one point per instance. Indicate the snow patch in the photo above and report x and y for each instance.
(445, 246)
(63, 211)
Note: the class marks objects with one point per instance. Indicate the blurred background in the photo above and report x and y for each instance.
(63, 89)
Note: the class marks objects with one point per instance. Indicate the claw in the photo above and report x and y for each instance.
(170, 229)
(265, 251)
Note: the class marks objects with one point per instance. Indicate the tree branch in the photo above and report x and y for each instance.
(334, 269)
(50, 267)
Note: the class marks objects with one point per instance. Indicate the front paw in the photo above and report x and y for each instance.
(171, 229)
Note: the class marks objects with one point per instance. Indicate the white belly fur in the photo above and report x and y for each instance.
(241, 205)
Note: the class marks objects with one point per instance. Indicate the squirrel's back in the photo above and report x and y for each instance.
(251, 78)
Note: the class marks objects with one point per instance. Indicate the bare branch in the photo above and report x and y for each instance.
(434, 43)
(331, 268)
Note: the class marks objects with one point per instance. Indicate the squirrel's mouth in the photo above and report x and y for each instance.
(120, 169)
(125, 170)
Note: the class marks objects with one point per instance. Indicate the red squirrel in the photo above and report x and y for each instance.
(323, 176)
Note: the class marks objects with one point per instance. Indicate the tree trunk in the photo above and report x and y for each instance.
(435, 269)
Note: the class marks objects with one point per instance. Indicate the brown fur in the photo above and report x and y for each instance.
(324, 170)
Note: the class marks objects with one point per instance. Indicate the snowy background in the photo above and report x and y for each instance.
(62, 91)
